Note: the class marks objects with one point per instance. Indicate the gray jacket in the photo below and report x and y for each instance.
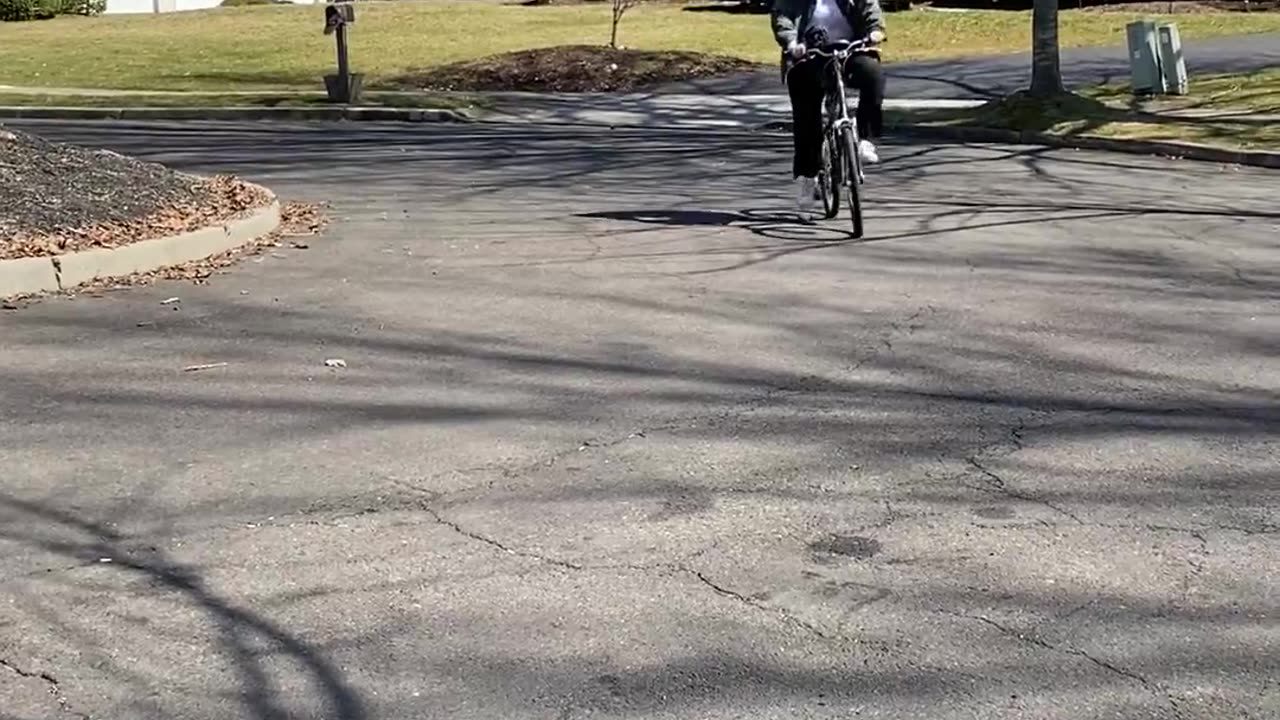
(791, 16)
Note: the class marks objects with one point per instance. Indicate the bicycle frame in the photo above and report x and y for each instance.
(841, 146)
(837, 122)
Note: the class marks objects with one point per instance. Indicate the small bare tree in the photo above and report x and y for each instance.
(620, 8)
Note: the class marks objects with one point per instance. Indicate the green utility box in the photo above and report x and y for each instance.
(1172, 65)
(1156, 65)
(1144, 58)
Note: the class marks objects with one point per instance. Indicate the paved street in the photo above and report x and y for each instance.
(620, 436)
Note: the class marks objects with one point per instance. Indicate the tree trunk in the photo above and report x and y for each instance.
(1046, 69)
(620, 8)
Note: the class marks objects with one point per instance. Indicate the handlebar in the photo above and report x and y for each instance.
(840, 48)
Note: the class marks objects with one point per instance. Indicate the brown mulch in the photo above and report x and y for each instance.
(572, 68)
(57, 198)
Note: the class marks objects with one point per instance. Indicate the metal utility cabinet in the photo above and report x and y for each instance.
(1172, 65)
(1156, 65)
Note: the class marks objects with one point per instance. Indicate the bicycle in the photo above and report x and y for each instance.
(841, 160)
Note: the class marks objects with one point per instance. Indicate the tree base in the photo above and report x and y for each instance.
(1024, 111)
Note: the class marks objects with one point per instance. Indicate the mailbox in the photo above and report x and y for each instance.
(342, 86)
(337, 15)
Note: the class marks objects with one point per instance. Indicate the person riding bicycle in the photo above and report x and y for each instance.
(801, 25)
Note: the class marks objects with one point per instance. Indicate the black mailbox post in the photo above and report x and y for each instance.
(343, 87)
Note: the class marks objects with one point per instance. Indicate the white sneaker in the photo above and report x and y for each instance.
(806, 192)
(867, 150)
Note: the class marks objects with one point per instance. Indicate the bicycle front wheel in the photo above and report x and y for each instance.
(852, 177)
(829, 176)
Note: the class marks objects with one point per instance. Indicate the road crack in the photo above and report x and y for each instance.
(54, 687)
(1044, 644)
(666, 568)
(752, 602)
(997, 484)
(497, 545)
(767, 390)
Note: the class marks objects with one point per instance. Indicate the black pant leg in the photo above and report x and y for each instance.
(804, 85)
(865, 73)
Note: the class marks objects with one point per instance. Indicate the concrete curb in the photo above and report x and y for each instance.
(377, 114)
(27, 275)
(23, 276)
(1186, 151)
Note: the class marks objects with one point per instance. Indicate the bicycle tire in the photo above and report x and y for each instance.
(853, 178)
(829, 177)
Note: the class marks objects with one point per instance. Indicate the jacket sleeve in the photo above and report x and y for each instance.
(786, 23)
(872, 15)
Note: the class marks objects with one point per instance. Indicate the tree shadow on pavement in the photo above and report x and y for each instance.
(40, 527)
(773, 224)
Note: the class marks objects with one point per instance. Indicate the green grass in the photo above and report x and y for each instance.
(1255, 92)
(1078, 115)
(273, 47)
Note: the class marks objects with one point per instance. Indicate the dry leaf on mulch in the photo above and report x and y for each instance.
(296, 220)
(57, 198)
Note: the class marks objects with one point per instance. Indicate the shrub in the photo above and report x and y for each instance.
(84, 7)
(17, 10)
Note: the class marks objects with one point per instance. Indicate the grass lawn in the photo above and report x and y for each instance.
(278, 47)
(1236, 111)
(1256, 92)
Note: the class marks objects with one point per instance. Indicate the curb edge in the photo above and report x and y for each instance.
(353, 113)
(57, 273)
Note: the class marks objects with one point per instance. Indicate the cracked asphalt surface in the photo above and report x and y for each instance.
(621, 437)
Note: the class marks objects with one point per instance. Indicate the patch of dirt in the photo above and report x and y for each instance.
(574, 69)
(57, 198)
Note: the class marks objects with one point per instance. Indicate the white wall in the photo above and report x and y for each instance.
(147, 6)
(150, 6)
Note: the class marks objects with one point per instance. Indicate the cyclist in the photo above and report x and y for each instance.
(797, 23)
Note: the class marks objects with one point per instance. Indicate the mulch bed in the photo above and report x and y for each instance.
(57, 198)
(573, 69)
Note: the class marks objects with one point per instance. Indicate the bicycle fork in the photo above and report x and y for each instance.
(843, 121)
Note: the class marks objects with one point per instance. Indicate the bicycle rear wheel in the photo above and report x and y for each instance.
(829, 176)
(852, 172)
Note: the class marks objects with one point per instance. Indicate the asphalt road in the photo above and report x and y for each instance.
(995, 76)
(621, 437)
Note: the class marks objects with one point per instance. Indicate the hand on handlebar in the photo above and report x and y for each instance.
(798, 50)
(876, 37)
